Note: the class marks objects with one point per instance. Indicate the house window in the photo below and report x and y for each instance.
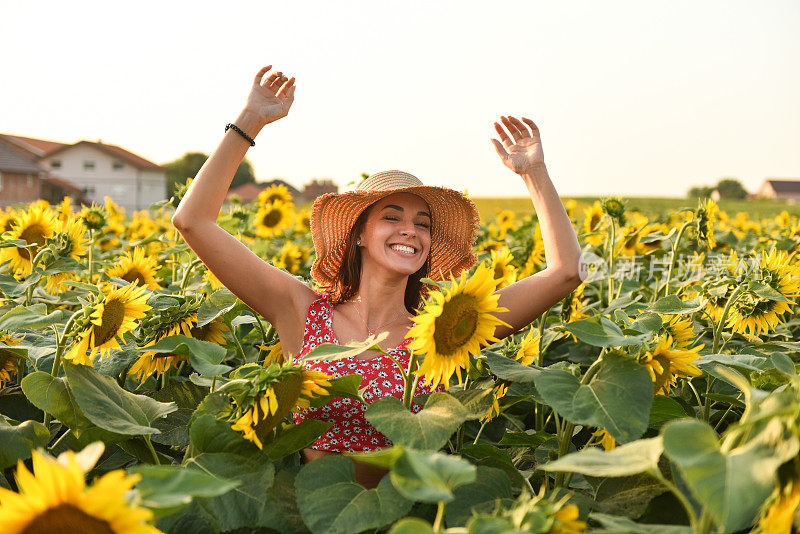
(1, 182)
(88, 191)
(118, 165)
(88, 165)
(55, 164)
(28, 181)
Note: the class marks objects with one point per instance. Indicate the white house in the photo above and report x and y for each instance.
(101, 170)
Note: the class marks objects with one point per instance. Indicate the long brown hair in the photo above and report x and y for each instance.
(349, 277)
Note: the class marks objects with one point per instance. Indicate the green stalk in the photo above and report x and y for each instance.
(34, 263)
(611, 262)
(679, 495)
(718, 330)
(152, 450)
(539, 409)
(239, 348)
(59, 440)
(188, 270)
(672, 260)
(437, 523)
(91, 256)
(410, 381)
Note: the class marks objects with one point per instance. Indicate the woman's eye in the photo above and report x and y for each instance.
(424, 225)
(389, 218)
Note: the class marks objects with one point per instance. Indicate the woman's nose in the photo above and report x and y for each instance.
(408, 229)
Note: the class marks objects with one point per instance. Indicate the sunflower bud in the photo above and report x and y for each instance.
(93, 217)
(615, 208)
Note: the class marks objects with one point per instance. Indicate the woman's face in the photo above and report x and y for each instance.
(397, 233)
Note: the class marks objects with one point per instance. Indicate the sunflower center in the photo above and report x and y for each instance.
(66, 518)
(594, 221)
(272, 218)
(134, 275)
(32, 234)
(456, 325)
(499, 272)
(110, 322)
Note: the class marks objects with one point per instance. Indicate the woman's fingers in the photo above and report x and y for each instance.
(499, 148)
(285, 88)
(260, 74)
(272, 79)
(520, 127)
(503, 135)
(512, 128)
(532, 125)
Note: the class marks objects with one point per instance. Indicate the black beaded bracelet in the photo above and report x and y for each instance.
(241, 132)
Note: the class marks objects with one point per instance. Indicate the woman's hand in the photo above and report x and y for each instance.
(271, 99)
(524, 152)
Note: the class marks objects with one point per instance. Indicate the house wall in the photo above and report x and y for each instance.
(766, 191)
(16, 187)
(128, 186)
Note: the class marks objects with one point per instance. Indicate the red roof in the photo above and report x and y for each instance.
(40, 147)
(116, 151)
(247, 192)
(785, 186)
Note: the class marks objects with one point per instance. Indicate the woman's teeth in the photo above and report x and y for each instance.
(403, 248)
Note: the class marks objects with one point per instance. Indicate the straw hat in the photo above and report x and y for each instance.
(453, 226)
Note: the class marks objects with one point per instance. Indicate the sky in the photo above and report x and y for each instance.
(631, 98)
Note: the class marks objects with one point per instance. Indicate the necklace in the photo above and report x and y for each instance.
(369, 331)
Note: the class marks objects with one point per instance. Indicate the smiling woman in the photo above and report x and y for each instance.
(374, 247)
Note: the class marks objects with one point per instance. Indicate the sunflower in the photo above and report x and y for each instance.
(117, 313)
(494, 410)
(170, 321)
(64, 209)
(490, 245)
(275, 192)
(93, 217)
(454, 323)
(593, 223)
(655, 244)
(291, 258)
(666, 363)
(751, 314)
(68, 241)
(779, 518)
(33, 226)
(212, 280)
(136, 267)
(55, 498)
(115, 213)
(566, 521)
(274, 354)
(615, 208)
(8, 219)
(273, 218)
(629, 240)
(110, 237)
(604, 439)
(572, 310)
(528, 349)
(303, 222)
(679, 328)
(706, 215)
(504, 273)
(8, 358)
(274, 392)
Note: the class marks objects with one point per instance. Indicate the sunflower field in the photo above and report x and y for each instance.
(139, 395)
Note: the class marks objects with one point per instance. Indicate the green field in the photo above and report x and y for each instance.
(656, 206)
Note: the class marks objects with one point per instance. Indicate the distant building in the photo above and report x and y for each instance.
(249, 192)
(788, 190)
(97, 170)
(23, 180)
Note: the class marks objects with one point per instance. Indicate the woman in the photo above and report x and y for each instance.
(397, 232)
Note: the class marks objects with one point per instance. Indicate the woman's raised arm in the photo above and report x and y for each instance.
(264, 288)
(532, 296)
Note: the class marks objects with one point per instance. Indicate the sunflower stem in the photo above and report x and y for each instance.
(410, 381)
(538, 408)
(718, 330)
(152, 450)
(480, 431)
(239, 348)
(57, 442)
(91, 256)
(672, 260)
(186, 273)
(611, 262)
(437, 523)
(656, 473)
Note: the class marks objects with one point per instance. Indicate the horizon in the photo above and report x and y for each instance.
(631, 100)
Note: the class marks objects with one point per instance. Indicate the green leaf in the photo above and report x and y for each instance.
(783, 363)
(739, 361)
(331, 501)
(628, 496)
(647, 322)
(766, 291)
(330, 352)
(412, 525)
(672, 304)
(17, 441)
(730, 485)
(209, 434)
(490, 484)
(613, 524)
(430, 476)
(384, 458)
(293, 438)
(343, 386)
(170, 486)
(218, 303)
(508, 369)
(204, 356)
(529, 438)
(599, 331)
(22, 317)
(665, 409)
(53, 396)
(618, 397)
(252, 474)
(629, 459)
(112, 408)
(491, 456)
(476, 401)
(429, 429)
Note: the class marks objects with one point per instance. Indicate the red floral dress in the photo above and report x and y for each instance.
(351, 431)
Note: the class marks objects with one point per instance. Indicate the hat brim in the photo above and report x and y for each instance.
(454, 227)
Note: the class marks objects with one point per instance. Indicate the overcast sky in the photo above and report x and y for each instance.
(632, 98)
